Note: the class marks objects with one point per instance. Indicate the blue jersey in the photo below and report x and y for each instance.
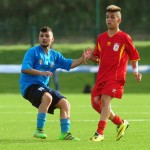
(36, 58)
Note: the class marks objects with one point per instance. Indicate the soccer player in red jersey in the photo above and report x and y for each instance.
(112, 50)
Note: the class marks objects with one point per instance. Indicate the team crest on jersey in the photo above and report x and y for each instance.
(51, 64)
(40, 61)
(116, 47)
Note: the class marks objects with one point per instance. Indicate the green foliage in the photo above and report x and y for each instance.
(75, 20)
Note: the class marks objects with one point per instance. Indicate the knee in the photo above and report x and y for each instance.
(47, 99)
(65, 105)
(105, 101)
(96, 106)
(103, 104)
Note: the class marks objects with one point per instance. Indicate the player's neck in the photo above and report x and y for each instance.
(45, 48)
(112, 32)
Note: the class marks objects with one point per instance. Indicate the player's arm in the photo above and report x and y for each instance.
(37, 72)
(85, 56)
(77, 62)
(92, 56)
(137, 75)
(95, 59)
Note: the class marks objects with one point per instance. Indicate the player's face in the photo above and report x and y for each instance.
(112, 20)
(46, 39)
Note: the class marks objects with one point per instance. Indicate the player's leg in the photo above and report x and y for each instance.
(96, 103)
(117, 120)
(41, 117)
(41, 99)
(122, 125)
(64, 107)
(105, 112)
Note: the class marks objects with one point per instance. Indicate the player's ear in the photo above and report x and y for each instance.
(119, 20)
(53, 39)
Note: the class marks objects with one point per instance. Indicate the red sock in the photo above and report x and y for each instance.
(117, 120)
(101, 127)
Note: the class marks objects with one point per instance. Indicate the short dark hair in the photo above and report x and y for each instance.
(46, 29)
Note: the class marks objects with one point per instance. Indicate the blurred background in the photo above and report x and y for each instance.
(76, 25)
(72, 21)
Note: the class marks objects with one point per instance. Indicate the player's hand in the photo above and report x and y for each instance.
(87, 54)
(138, 76)
(47, 73)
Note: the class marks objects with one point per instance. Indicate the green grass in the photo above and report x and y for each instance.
(18, 117)
(18, 122)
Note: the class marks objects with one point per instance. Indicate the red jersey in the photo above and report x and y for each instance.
(113, 53)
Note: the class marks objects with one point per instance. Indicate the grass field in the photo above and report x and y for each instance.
(18, 121)
(18, 117)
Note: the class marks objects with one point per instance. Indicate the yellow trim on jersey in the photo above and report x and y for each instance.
(121, 51)
(99, 47)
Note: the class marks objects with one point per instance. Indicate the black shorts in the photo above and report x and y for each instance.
(35, 92)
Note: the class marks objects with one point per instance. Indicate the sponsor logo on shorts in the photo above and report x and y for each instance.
(40, 88)
(114, 90)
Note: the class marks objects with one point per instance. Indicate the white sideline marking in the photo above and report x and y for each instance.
(80, 106)
(130, 120)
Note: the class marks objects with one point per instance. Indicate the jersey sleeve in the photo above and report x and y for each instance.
(97, 49)
(131, 50)
(28, 60)
(63, 62)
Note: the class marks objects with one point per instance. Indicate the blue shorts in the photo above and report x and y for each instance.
(34, 95)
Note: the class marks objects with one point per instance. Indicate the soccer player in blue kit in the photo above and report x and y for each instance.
(38, 64)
